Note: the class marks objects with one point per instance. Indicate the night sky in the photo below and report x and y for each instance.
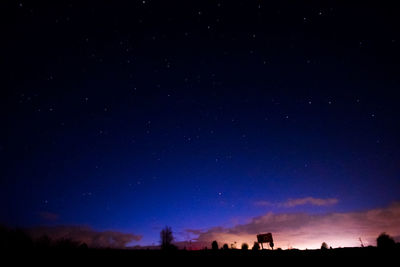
(221, 119)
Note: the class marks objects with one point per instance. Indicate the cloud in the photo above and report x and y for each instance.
(48, 216)
(290, 203)
(264, 203)
(85, 234)
(304, 230)
(310, 201)
(193, 231)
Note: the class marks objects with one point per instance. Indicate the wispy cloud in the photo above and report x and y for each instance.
(310, 201)
(264, 203)
(85, 234)
(290, 203)
(304, 230)
(48, 216)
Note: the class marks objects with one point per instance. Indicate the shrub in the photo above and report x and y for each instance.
(256, 246)
(214, 245)
(385, 241)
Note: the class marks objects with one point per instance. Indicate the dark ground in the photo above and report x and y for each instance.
(112, 257)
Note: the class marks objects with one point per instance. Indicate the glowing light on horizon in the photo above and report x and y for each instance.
(309, 231)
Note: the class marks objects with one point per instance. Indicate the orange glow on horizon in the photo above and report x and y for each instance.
(309, 231)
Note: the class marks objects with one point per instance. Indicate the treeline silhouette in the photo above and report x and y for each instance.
(19, 239)
(384, 242)
(19, 248)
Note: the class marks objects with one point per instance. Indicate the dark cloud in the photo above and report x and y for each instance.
(85, 234)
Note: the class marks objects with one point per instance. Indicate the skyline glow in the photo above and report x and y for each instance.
(299, 230)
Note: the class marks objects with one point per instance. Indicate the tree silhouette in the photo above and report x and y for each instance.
(271, 244)
(167, 237)
(256, 246)
(245, 246)
(385, 241)
(225, 247)
(214, 245)
(324, 246)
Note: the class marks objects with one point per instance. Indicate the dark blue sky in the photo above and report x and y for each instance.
(135, 115)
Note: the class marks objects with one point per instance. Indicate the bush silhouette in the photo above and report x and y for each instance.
(256, 246)
(225, 247)
(83, 246)
(385, 241)
(324, 246)
(66, 244)
(214, 245)
(245, 246)
(14, 239)
(43, 242)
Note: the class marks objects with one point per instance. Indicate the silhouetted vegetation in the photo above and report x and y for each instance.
(18, 239)
(83, 246)
(167, 237)
(19, 243)
(214, 245)
(66, 244)
(256, 246)
(15, 239)
(324, 246)
(44, 242)
(385, 241)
